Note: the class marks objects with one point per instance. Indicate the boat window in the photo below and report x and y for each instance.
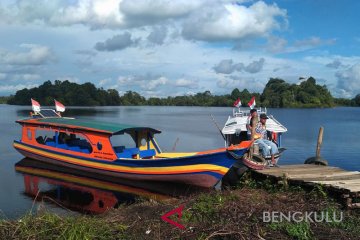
(43, 136)
(67, 141)
(232, 123)
(99, 145)
(77, 143)
(143, 142)
(123, 140)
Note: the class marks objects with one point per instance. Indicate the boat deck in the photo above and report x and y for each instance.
(336, 180)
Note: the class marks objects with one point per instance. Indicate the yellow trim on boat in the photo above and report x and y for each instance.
(176, 154)
(125, 169)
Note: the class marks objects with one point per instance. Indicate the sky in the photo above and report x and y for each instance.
(164, 48)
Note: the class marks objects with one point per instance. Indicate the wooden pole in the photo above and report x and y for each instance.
(319, 141)
(174, 147)
(253, 124)
(218, 127)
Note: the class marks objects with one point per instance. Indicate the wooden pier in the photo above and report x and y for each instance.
(345, 184)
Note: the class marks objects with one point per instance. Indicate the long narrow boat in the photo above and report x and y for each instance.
(90, 146)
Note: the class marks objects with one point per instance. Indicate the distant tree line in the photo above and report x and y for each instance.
(68, 93)
(277, 94)
(4, 100)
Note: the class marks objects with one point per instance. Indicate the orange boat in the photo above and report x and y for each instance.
(92, 146)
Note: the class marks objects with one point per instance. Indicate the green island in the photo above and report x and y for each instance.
(276, 94)
(235, 213)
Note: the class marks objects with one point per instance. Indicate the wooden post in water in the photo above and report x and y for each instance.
(317, 159)
(319, 141)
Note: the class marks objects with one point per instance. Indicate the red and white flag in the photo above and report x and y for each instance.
(35, 105)
(237, 103)
(59, 106)
(252, 103)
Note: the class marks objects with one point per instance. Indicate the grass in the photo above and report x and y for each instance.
(206, 208)
(51, 226)
(299, 231)
(231, 214)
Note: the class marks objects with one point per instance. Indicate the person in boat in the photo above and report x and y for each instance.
(251, 121)
(63, 137)
(266, 146)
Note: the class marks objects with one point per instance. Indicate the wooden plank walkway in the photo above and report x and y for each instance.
(345, 183)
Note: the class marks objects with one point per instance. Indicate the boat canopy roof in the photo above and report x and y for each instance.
(87, 125)
(237, 123)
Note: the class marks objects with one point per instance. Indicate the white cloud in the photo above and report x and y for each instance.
(14, 88)
(276, 44)
(145, 82)
(233, 22)
(36, 55)
(280, 45)
(28, 11)
(92, 13)
(335, 64)
(155, 44)
(313, 42)
(104, 82)
(117, 42)
(204, 20)
(153, 84)
(97, 14)
(255, 66)
(186, 83)
(348, 84)
(158, 35)
(150, 83)
(27, 76)
(3, 76)
(69, 78)
(227, 66)
(145, 12)
(251, 84)
(88, 53)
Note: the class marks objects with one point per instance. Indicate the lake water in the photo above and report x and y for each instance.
(195, 131)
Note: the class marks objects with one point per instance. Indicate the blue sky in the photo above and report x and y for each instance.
(161, 47)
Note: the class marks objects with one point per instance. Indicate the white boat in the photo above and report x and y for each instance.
(234, 132)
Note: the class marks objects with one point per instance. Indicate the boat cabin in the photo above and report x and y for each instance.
(85, 138)
(235, 130)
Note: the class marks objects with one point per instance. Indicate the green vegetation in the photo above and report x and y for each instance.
(51, 226)
(277, 94)
(71, 94)
(231, 214)
(300, 231)
(4, 100)
(355, 102)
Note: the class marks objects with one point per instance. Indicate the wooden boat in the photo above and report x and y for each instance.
(88, 146)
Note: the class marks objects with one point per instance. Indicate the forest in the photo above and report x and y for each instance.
(276, 94)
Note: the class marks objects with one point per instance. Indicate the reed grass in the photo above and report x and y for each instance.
(49, 225)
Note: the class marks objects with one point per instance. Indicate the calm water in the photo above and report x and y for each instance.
(195, 131)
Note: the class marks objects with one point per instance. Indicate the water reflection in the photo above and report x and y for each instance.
(92, 111)
(88, 192)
